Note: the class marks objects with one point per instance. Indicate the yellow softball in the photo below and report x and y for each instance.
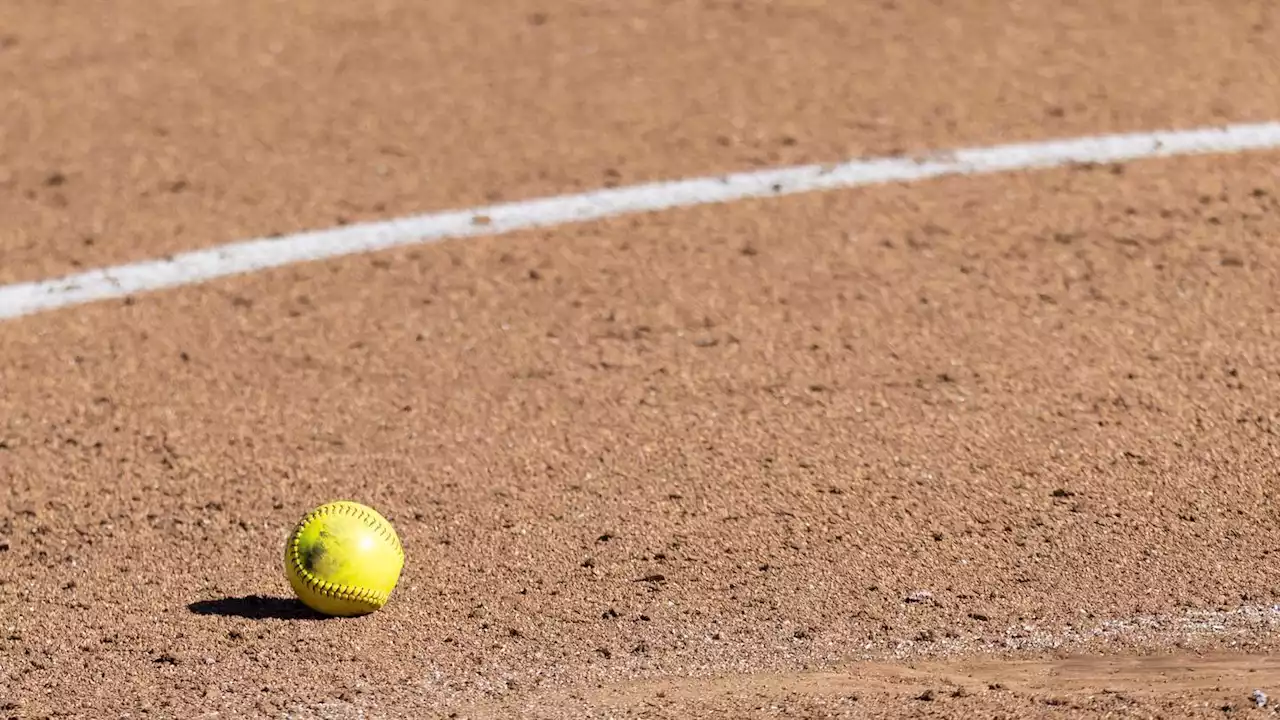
(343, 559)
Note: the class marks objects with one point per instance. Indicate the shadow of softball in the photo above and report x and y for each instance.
(256, 607)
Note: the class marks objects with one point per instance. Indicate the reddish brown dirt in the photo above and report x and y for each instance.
(137, 128)
(695, 464)
(1047, 399)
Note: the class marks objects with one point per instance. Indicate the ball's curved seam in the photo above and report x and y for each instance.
(373, 598)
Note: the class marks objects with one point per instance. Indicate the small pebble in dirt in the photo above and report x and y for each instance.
(1259, 698)
(919, 596)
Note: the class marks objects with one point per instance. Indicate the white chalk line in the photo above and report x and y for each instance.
(264, 253)
(1190, 631)
(1244, 622)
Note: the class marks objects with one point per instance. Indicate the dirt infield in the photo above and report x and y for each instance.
(998, 446)
(138, 128)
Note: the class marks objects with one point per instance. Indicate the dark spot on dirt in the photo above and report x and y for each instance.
(927, 696)
(1061, 493)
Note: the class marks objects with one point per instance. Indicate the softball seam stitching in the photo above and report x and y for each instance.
(373, 598)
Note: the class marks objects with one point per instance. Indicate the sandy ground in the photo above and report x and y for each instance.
(138, 128)
(976, 447)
